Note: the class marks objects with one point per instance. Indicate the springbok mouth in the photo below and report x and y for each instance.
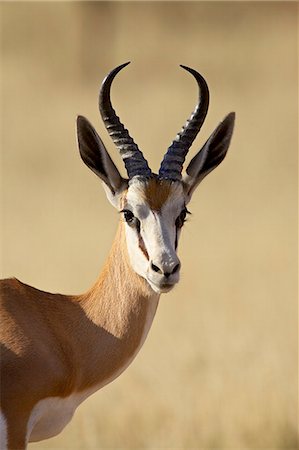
(161, 288)
(166, 287)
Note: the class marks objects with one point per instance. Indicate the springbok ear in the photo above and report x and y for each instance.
(210, 156)
(96, 157)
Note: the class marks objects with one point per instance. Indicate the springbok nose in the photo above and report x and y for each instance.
(165, 273)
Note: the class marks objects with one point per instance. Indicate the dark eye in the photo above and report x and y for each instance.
(181, 218)
(131, 219)
(128, 215)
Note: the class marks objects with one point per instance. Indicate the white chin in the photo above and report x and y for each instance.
(161, 289)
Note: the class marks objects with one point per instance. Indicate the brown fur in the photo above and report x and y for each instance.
(157, 192)
(55, 345)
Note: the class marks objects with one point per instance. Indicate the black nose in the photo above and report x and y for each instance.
(166, 274)
(174, 270)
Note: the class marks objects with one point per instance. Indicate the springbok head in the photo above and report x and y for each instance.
(154, 206)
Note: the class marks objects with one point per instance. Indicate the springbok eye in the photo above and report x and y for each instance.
(128, 215)
(131, 219)
(181, 219)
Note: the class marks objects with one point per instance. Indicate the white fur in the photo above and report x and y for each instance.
(3, 432)
(158, 232)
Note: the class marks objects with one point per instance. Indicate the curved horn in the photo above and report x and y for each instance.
(134, 160)
(172, 164)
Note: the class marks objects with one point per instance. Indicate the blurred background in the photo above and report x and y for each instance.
(219, 368)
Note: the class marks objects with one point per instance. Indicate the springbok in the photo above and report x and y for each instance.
(59, 349)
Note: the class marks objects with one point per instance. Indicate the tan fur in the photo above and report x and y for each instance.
(56, 345)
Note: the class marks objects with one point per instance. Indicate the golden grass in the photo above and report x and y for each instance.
(219, 369)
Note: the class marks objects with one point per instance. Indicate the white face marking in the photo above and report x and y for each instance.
(152, 251)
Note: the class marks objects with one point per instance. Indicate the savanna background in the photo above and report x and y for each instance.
(219, 368)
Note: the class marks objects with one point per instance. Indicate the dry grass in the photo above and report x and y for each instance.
(219, 369)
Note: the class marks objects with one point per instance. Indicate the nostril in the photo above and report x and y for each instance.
(176, 268)
(155, 268)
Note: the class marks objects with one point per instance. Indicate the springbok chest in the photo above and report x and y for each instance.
(51, 415)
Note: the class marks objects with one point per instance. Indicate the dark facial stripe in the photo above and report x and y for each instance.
(176, 239)
(142, 246)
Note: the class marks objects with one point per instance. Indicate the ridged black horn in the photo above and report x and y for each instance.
(134, 160)
(172, 164)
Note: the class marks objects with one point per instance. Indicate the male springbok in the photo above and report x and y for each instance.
(59, 349)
